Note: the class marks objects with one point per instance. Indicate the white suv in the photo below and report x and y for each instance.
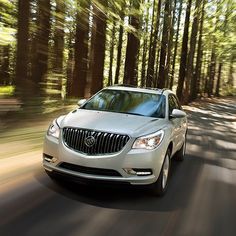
(122, 134)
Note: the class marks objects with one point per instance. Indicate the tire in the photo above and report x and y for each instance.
(160, 186)
(179, 155)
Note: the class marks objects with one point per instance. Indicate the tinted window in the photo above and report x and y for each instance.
(176, 101)
(130, 102)
(172, 104)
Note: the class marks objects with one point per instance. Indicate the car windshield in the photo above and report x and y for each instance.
(129, 102)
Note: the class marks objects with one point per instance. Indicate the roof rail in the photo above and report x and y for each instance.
(125, 85)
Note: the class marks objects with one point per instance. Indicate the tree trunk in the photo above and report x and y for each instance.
(120, 43)
(22, 45)
(145, 42)
(59, 37)
(184, 50)
(40, 65)
(152, 58)
(81, 50)
(170, 45)
(164, 46)
(217, 93)
(131, 60)
(69, 67)
(197, 75)
(110, 79)
(99, 40)
(190, 79)
(4, 65)
(212, 67)
(230, 81)
(119, 52)
(176, 45)
(58, 46)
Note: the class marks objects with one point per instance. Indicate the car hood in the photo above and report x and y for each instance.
(111, 122)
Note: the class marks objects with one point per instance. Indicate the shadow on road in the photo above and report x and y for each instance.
(181, 185)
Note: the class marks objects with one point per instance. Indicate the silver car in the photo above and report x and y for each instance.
(122, 134)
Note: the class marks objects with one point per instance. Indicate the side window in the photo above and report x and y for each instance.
(176, 101)
(172, 104)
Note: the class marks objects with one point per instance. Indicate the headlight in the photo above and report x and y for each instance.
(150, 141)
(54, 130)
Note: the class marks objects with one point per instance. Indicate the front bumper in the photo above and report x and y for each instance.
(127, 158)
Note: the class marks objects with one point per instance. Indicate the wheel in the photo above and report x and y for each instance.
(160, 186)
(179, 155)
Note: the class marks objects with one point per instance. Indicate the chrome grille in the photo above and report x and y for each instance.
(104, 143)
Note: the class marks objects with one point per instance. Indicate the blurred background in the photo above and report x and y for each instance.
(54, 50)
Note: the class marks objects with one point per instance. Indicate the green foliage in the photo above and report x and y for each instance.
(7, 21)
(7, 90)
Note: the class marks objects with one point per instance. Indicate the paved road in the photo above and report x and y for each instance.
(201, 199)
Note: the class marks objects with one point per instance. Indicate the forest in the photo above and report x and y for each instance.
(61, 49)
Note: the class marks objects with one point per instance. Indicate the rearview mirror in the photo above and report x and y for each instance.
(81, 102)
(176, 113)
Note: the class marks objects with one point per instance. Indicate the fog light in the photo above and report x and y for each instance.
(138, 172)
(130, 171)
(49, 158)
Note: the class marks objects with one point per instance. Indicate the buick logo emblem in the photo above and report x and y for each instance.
(89, 141)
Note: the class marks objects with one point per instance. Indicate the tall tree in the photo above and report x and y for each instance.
(59, 36)
(99, 41)
(184, 50)
(145, 44)
(80, 71)
(176, 44)
(110, 77)
(221, 57)
(198, 66)
(22, 43)
(120, 41)
(164, 45)
(40, 65)
(170, 44)
(190, 83)
(132, 49)
(153, 46)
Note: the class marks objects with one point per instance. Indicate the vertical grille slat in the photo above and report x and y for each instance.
(105, 143)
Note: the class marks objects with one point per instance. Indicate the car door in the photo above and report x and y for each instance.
(176, 123)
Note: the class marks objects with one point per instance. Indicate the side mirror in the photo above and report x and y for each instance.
(81, 102)
(176, 113)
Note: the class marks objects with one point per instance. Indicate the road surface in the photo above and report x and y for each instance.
(201, 199)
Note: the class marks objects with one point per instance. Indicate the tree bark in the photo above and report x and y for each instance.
(22, 45)
(184, 50)
(176, 45)
(170, 45)
(131, 60)
(40, 65)
(110, 77)
(190, 79)
(217, 93)
(4, 65)
(59, 37)
(81, 50)
(211, 72)
(152, 58)
(164, 46)
(197, 75)
(120, 43)
(145, 42)
(99, 40)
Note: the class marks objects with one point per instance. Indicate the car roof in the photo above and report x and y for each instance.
(140, 89)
